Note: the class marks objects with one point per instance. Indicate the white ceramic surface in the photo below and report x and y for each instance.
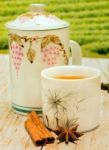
(71, 101)
(37, 19)
(32, 50)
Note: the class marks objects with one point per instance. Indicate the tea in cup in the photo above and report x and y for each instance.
(71, 95)
(69, 77)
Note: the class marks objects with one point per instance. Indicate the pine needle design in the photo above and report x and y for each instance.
(58, 102)
(67, 130)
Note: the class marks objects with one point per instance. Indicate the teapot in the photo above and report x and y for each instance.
(37, 40)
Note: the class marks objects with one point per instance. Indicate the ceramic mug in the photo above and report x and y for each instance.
(29, 55)
(25, 69)
(75, 101)
(36, 41)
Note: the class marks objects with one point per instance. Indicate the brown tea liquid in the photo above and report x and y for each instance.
(69, 77)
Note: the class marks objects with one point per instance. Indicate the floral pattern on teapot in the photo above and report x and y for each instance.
(17, 56)
(51, 49)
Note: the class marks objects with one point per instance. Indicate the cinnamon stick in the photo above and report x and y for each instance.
(35, 133)
(34, 126)
(37, 121)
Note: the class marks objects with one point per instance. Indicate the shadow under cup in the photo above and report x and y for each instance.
(70, 102)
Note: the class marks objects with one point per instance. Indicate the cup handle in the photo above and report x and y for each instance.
(75, 53)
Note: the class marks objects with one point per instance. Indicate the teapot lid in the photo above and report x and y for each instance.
(37, 19)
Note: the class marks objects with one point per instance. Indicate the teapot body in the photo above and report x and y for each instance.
(30, 53)
(37, 40)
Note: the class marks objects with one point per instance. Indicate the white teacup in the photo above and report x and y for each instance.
(71, 101)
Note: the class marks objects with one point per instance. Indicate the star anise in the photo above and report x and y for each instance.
(105, 86)
(68, 134)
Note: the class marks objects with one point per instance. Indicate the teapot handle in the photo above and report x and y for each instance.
(76, 53)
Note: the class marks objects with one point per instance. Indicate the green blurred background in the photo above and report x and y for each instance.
(89, 22)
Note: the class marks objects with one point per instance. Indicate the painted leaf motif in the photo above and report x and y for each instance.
(50, 38)
(45, 41)
(31, 55)
(55, 39)
(16, 38)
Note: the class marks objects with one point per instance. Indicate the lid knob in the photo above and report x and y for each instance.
(37, 7)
